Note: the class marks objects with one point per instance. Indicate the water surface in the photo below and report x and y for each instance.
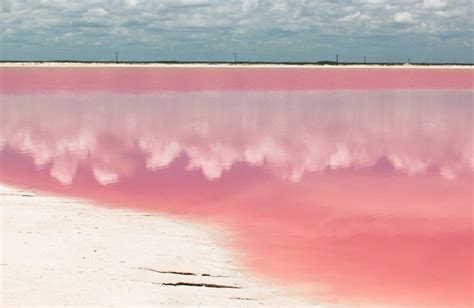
(359, 194)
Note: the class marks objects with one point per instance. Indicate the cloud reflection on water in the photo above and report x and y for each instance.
(290, 133)
(362, 196)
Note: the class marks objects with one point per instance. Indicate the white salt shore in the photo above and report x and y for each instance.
(62, 251)
(230, 65)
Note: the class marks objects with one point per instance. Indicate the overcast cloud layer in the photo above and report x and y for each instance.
(281, 30)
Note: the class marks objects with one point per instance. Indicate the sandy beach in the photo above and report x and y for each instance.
(88, 255)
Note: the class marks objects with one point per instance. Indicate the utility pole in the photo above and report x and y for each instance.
(365, 60)
(337, 58)
(235, 57)
(116, 57)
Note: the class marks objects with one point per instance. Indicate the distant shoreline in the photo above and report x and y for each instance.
(120, 77)
(327, 64)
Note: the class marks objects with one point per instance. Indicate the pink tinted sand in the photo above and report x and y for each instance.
(139, 79)
(362, 197)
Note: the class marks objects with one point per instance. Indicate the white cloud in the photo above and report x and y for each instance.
(132, 2)
(8, 31)
(435, 3)
(187, 27)
(403, 17)
(95, 12)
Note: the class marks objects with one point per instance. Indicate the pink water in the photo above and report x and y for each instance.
(146, 79)
(357, 192)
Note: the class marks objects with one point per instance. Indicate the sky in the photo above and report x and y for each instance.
(256, 30)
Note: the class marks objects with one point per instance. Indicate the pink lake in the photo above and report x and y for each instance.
(354, 184)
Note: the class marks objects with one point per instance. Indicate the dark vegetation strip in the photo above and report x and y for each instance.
(239, 62)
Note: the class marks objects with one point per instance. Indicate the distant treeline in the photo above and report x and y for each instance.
(237, 62)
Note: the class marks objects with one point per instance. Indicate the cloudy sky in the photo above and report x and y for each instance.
(280, 30)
